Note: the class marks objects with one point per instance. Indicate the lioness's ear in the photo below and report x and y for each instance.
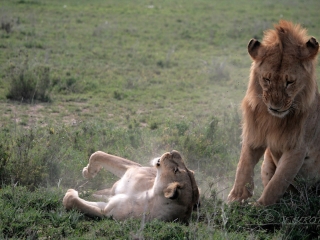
(171, 191)
(311, 49)
(253, 48)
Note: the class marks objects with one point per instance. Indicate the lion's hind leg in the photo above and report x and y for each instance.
(114, 164)
(268, 168)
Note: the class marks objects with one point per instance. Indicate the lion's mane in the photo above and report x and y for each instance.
(286, 39)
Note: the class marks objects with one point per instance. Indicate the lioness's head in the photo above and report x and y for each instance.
(175, 181)
(284, 65)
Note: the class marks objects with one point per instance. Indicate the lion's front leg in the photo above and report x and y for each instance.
(288, 167)
(244, 185)
(268, 168)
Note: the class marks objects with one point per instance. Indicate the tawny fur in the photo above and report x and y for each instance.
(166, 191)
(280, 114)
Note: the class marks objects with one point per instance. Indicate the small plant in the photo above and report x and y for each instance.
(154, 125)
(28, 83)
(6, 25)
(182, 128)
(218, 70)
(4, 159)
(118, 95)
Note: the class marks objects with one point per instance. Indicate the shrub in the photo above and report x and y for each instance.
(4, 158)
(32, 160)
(28, 83)
(218, 70)
(118, 95)
(6, 25)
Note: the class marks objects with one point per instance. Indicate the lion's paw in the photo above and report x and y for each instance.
(239, 194)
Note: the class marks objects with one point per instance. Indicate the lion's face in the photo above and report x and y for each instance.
(283, 68)
(281, 80)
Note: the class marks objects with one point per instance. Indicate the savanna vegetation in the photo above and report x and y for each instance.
(135, 79)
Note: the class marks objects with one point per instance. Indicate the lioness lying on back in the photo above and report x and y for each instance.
(166, 191)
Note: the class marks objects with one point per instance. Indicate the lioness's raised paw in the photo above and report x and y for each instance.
(90, 171)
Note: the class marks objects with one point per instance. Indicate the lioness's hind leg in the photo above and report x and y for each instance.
(72, 201)
(114, 164)
(268, 168)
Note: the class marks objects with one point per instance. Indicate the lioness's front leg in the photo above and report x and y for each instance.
(243, 185)
(116, 165)
(288, 167)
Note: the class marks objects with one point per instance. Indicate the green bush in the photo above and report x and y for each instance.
(6, 25)
(30, 159)
(205, 147)
(28, 83)
(41, 156)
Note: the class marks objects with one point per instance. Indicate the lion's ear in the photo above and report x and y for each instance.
(171, 191)
(311, 49)
(254, 49)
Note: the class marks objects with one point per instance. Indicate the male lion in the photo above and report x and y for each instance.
(281, 114)
(166, 191)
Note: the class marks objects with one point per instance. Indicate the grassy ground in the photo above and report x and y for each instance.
(135, 79)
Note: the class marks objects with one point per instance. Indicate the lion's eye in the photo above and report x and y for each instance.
(176, 170)
(267, 80)
(289, 83)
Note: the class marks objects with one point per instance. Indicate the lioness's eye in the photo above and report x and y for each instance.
(176, 170)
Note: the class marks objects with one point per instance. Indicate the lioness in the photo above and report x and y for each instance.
(166, 191)
(281, 114)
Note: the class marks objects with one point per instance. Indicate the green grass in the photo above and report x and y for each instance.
(40, 214)
(135, 79)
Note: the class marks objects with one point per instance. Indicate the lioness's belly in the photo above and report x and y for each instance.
(136, 180)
